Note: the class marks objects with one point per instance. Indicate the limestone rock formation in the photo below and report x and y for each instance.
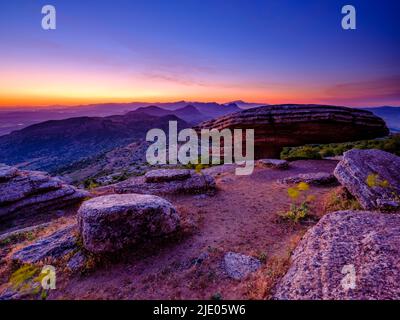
(168, 181)
(277, 126)
(29, 192)
(316, 179)
(371, 176)
(347, 255)
(239, 266)
(163, 175)
(113, 222)
(273, 163)
(57, 245)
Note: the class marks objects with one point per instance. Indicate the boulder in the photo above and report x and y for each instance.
(347, 255)
(273, 163)
(29, 192)
(113, 222)
(371, 176)
(167, 181)
(278, 126)
(317, 179)
(54, 246)
(239, 266)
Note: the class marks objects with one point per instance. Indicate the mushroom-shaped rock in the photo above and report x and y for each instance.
(278, 126)
(113, 222)
(371, 176)
(347, 255)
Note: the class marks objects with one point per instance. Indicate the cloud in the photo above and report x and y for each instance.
(381, 89)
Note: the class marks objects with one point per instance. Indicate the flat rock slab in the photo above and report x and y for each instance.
(347, 255)
(194, 184)
(30, 192)
(163, 175)
(317, 179)
(239, 266)
(371, 176)
(113, 222)
(7, 172)
(273, 164)
(54, 246)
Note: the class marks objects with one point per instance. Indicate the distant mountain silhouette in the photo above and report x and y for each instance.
(391, 115)
(189, 113)
(246, 105)
(53, 144)
(16, 118)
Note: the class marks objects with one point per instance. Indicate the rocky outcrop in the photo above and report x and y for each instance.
(347, 255)
(278, 126)
(167, 181)
(29, 192)
(371, 176)
(164, 175)
(273, 164)
(55, 246)
(316, 179)
(239, 266)
(113, 222)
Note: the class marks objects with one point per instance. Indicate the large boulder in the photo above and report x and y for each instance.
(278, 126)
(371, 176)
(347, 255)
(166, 181)
(113, 222)
(29, 192)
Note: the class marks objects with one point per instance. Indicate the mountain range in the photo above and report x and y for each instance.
(17, 118)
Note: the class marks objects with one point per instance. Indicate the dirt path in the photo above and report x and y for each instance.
(241, 217)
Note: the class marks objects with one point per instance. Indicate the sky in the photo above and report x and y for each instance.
(285, 51)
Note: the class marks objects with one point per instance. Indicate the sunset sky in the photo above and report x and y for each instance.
(204, 50)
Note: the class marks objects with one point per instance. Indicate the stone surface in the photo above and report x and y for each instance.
(163, 175)
(277, 126)
(77, 262)
(55, 246)
(371, 176)
(29, 192)
(7, 172)
(239, 266)
(113, 222)
(318, 179)
(273, 163)
(342, 244)
(194, 184)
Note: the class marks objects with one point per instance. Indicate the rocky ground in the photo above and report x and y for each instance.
(298, 230)
(242, 217)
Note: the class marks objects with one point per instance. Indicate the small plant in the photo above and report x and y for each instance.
(298, 211)
(27, 280)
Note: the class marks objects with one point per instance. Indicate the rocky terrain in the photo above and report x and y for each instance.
(52, 145)
(277, 126)
(25, 193)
